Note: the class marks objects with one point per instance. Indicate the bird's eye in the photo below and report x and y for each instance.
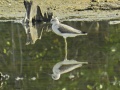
(52, 20)
(54, 76)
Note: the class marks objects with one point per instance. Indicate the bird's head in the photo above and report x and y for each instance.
(54, 20)
(55, 76)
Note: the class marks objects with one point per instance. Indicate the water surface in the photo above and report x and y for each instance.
(28, 54)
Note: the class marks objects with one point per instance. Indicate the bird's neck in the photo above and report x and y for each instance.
(58, 76)
(57, 22)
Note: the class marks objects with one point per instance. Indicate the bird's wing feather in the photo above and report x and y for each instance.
(72, 62)
(56, 67)
(67, 29)
(68, 68)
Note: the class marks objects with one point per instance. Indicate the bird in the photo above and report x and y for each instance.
(65, 31)
(64, 67)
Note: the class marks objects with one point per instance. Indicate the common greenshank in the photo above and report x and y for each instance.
(65, 31)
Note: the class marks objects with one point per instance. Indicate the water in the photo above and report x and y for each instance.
(28, 54)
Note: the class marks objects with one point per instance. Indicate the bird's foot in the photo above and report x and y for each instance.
(66, 59)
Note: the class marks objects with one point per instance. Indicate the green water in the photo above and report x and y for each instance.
(32, 54)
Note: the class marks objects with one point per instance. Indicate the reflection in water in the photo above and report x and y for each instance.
(65, 49)
(33, 31)
(100, 48)
(33, 78)
(19, 78)
(71, 76)
(64, 67)
(3, 79)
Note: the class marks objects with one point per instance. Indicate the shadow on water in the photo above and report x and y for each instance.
(28, 54)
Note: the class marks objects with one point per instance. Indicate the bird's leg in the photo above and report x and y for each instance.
(65, 49)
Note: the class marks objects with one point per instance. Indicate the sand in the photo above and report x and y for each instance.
(64, 9)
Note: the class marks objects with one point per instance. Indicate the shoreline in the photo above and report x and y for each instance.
(15, 10)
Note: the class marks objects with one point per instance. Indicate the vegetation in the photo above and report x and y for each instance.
(100, 49)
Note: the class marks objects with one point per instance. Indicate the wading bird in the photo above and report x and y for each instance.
(65, 31)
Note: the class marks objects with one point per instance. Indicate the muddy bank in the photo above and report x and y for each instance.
(67, 10)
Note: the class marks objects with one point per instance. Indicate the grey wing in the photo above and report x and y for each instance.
(69, 62)
(68, 68)
(67, 29)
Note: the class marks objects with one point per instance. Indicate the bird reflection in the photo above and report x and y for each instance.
(64, 67)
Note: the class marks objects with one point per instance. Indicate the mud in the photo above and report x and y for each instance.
(65, 9)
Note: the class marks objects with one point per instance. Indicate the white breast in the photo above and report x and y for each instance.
(55, 29)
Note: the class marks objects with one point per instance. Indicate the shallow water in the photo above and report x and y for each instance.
(28, 54)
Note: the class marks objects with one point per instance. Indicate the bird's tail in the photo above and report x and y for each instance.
(84, 33)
